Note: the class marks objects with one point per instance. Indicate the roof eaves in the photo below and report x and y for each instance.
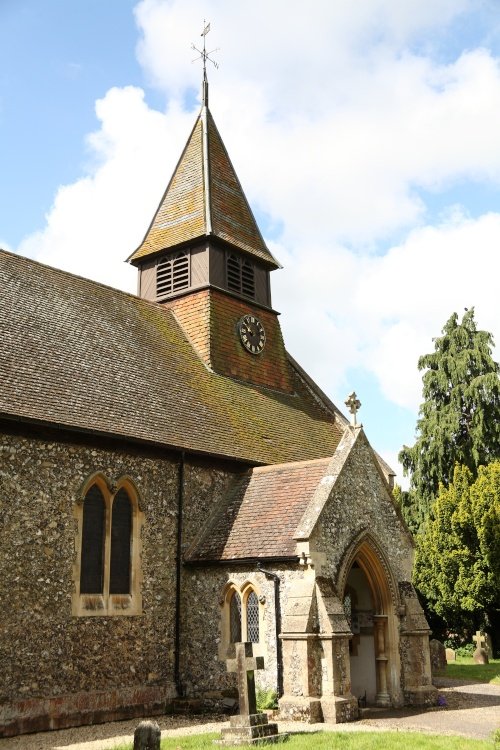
(242, 560)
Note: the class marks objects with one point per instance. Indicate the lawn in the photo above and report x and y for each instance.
(465, 669)
(341, 741)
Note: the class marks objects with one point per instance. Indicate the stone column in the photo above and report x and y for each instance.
(418, 689)
(380, 636)
(337, 702)
(301, 678)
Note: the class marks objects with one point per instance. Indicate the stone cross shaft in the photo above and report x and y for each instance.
(244, 665)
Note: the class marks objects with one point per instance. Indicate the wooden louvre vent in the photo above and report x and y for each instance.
(240, 276)
(172, 274)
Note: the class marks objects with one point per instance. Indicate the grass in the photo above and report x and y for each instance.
(465, 669)
(341, 741)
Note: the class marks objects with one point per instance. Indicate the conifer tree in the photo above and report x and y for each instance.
(459, 419)
(457, 561)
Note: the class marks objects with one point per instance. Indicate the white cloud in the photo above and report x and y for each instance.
(336, 126)
(97, 222)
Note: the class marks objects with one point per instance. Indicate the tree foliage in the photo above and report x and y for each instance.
(459, 419)
(457, 561)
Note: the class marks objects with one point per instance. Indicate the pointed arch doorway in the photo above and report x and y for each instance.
(370, 612)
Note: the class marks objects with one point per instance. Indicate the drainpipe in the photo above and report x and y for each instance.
(178, 569)
(277, 618)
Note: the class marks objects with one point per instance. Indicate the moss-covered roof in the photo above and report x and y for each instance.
(204, 198)
(261, 513)
(81, 355)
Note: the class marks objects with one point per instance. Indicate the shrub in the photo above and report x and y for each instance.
(266, 699)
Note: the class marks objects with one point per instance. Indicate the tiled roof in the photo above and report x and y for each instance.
(262, 513)
(204, 198)
(81, 355)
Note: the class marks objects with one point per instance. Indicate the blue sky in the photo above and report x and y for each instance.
(365, 136)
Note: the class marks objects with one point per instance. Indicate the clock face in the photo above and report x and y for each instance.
(252, 334)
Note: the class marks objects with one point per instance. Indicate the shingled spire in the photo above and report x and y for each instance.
(204, 199)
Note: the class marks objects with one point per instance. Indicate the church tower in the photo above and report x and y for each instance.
(204, 258)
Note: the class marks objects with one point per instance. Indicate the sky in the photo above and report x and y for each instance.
(365, 134)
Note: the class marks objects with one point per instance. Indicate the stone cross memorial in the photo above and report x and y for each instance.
(248, 727)
(480, 655)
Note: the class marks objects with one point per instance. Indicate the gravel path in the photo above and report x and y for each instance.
(471, 710)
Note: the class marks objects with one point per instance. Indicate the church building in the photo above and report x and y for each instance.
(172, 482)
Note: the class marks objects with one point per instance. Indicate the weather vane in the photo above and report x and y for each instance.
(203, 54)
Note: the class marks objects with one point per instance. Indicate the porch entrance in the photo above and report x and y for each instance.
(367, 606)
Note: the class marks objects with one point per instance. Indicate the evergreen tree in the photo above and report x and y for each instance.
(459, 420)
(457, 561)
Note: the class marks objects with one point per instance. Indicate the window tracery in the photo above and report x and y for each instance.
(107, 570)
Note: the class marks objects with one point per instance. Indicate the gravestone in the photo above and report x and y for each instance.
(438, 655)
(450, 654)
(247, 727)
(147, 736)
(488, 645)
(480, 655)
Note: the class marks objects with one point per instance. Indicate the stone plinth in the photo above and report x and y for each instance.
(249, 730)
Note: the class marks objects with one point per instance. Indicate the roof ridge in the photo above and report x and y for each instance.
(290, 464)
(101, 284)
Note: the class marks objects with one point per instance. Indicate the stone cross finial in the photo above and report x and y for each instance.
(244, 665)
(353, 404)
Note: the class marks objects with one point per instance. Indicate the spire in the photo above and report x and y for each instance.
(204, 197)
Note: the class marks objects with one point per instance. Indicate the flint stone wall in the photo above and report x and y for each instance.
(59, 669)
(360, 502)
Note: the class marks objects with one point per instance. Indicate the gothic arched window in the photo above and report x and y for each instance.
(107, 570)
(93, 533)
(252, 608)
(121, 530)
(235, 618)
